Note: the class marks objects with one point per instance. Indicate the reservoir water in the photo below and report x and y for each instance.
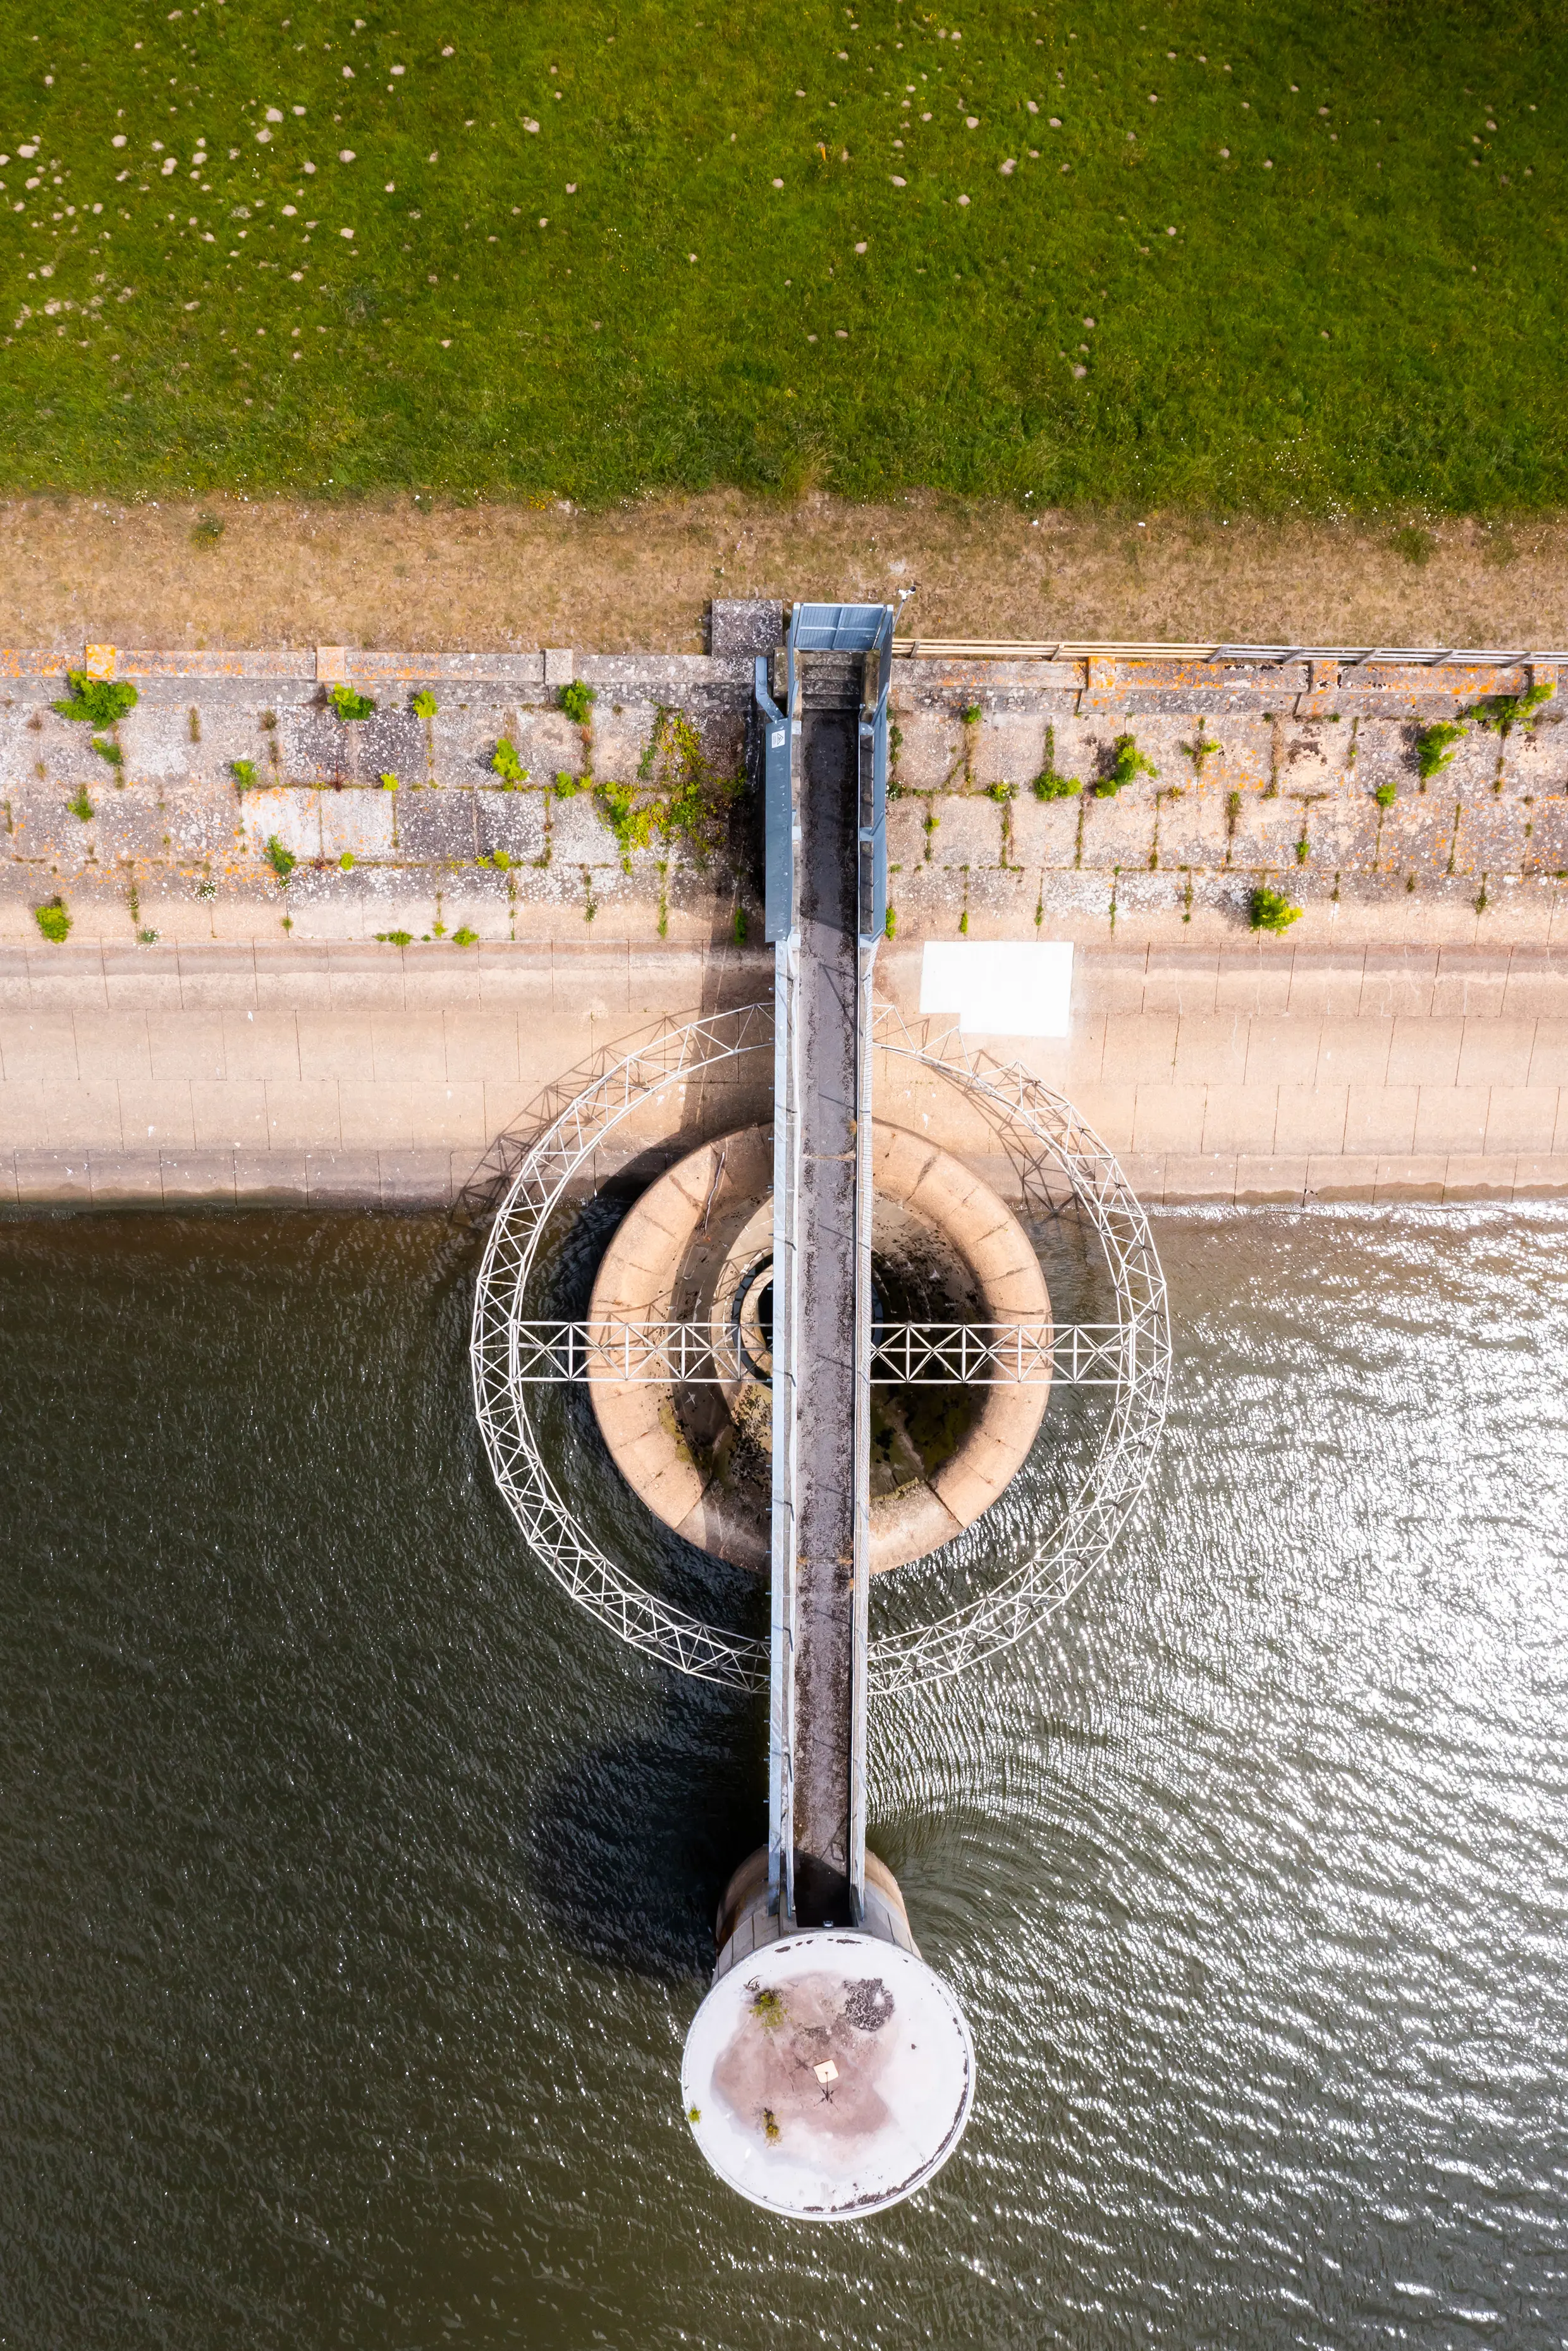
(356, 1893)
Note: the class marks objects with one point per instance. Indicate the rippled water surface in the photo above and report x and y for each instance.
(355, 1893)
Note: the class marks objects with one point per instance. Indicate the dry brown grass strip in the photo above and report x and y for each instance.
(395, 575)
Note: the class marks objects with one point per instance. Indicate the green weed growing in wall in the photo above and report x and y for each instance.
(1502, 713)
(1435, 745)
(505, 763)
(1049, 785)
(97, 700)
(1271, 910)
(1127, 764)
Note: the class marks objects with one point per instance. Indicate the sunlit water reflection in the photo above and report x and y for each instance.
(355, 1892)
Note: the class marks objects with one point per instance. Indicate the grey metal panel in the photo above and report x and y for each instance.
(778, 811)
(837, 627)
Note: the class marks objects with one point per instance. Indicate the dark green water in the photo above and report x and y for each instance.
(355, 1893)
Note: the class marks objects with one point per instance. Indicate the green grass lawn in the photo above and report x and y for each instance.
(1312, 259)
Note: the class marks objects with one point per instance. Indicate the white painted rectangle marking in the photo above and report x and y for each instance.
(997, 988)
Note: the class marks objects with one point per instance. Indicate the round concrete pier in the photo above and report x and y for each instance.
(828, 2075)
(698, 1248)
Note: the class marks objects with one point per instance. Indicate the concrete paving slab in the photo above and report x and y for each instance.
(268, 1178)
(1477, 1176)
(1263, 1180)
(1521, 1119)
(229, 1115)
(1311, 1121)
(24, 1114)
(341, 1178)
(50, 1177)
(1452, 1119)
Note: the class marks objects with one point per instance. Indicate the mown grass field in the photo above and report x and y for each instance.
(600, 252)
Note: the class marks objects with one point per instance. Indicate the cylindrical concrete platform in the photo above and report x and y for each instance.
(829, 2075)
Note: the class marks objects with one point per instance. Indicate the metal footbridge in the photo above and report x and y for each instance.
(825, 816)
(790, 2090)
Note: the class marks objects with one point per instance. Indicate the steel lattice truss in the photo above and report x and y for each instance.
(1053, 1154)
(914, 1355)
(1051, 1148)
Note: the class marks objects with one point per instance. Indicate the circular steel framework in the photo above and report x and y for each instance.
(1053, 1154)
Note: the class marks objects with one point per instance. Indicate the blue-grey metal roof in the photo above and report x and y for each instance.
(838, 628)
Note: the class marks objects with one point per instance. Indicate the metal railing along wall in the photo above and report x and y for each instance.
(1274, 656)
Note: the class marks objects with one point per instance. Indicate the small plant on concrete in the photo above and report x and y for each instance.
(244, 773)
(388, 781)
(1001, 792)
(424, 704)
(1201, 748)
(349, 705)
(767, 2008)
(146, 938)
(1271, 910)
(346, 862)
(282, 861)
(971, 716)
(1502, 713)
(97, 700)
(577, 700)
(501, 861)
(632, 826)
(890, 928)
(741, 926)
(53, 921)
(107, 749)
(1128, 763)
(194, 723)
(81, 807)
(463, 937)
(505, 763)
(1435, 746)
(1049, 786)
(1386, 795)
(567, 785)
(395, 938)
(690, 797)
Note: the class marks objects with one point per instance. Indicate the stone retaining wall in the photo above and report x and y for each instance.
(1261, 775)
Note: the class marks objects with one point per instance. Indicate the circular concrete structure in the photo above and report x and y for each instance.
(829, 2075)
(698, 1248)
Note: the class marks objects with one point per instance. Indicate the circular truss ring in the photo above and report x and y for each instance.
(1047, 1144)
